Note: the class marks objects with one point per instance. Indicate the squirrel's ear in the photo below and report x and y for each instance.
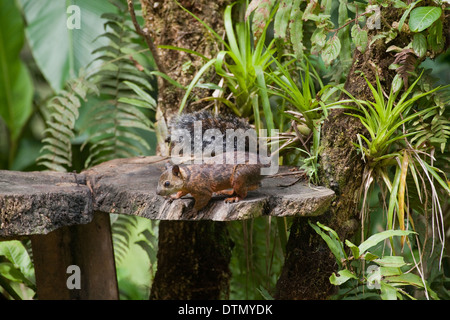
(167, 165)
(176, 170)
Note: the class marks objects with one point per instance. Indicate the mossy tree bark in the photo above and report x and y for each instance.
(193, 257)
(309, 262)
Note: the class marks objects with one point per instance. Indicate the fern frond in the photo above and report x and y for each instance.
(433, 127)
(62, 110)
(116, 124)
(128, 230)
(122, 230)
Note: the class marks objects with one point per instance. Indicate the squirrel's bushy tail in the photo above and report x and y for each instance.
(196, 124)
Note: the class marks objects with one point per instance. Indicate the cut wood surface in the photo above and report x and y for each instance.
(40, 202)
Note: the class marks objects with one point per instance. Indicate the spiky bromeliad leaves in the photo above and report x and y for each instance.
(391, 158)
(117, 122)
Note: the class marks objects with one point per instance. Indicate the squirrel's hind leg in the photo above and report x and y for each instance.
(241, 192)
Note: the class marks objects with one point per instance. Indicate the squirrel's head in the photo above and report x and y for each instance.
(171, 181)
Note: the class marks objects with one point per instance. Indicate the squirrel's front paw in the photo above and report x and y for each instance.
(232, 199)
(169, 199)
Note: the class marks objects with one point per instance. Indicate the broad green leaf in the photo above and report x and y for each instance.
(390, 271)
(16, 253)
(391, 261)
(16, 88)
(331, 50)
(318, 40)
(354, 248)
(423, 17)
(261, 12)
(343, 34)
(296, 29)
(407, 279)
(434, 38)
(344, 275)
(369, 256)
(310, 9)
(414, 280)
(282, 18)
(405, 15)
(360, 38)
(333, 242)
(419, 44)
(326, 6)
(8, 271)
(61, 36)
(378, 237)
(397, 83)
(388, 292)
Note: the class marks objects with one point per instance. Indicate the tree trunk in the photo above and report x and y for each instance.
(193, 257)
(309, 262)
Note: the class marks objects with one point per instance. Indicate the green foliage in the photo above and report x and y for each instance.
(245, 78)
(423, 17)
(433, 128)
(387, 149)
(242, 67)
(368, 275)
(15, 268)
(60, 47)
(16, 88)
(115, 124)
(257, 258)
(407, 172)
(135, 248)
(296, 87)
(427, 23)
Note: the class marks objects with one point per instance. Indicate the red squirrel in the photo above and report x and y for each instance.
(202, 180)
(214, 175)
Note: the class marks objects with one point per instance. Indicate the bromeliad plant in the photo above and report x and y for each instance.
(296, 82)
(241, 65)
(390, 158)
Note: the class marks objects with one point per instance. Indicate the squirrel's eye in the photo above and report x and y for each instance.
(167, 184)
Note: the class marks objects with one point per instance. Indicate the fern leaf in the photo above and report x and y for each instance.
(56, 153)
(114, 128)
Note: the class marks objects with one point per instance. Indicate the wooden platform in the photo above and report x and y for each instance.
(34, 203)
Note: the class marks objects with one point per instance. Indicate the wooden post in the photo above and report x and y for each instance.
(88, 247)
